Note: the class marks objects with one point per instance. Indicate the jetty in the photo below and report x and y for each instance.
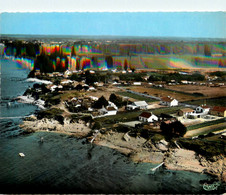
(177, 145)
(94, 136)
(154, 169)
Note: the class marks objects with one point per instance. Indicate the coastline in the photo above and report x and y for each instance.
(137, 149)
(30, 100)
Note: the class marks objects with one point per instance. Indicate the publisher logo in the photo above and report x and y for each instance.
(211, 187)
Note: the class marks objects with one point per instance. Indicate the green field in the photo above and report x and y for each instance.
(205, 124)
(221, 101)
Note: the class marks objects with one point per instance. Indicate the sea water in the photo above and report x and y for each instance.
(65, 164)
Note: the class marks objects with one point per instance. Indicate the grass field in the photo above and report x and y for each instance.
(205, 124)
(133, 115)
(135, 96)
(221, 101)
(181, 92)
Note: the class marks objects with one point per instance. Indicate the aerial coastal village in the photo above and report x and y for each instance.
(160, 98)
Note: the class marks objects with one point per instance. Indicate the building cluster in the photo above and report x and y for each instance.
(202, 111)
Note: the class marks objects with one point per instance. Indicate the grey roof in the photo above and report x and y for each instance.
(141, 103)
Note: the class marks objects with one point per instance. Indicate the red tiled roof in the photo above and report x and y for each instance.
(111, 108)
(218, 109)
(186, 110)
(167, 99)
(205, 106)
(145, 114)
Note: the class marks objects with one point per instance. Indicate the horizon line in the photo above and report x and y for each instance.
(124, 36)
(153, 11)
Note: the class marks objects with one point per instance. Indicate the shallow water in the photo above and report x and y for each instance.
(64, 164)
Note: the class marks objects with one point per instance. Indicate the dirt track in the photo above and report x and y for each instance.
(203, 130)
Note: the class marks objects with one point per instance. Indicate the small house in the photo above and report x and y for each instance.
(91, 89)
(66, 82)
(137, 83)
(202, 109)
(185, 111)
(169, 101)
(142, 105)
(218, 111)
(223, 136)
(109, 111)
(147, 117)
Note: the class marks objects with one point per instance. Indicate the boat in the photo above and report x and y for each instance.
(21, 154)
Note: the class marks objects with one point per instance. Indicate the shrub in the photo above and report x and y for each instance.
(51, 113)
(100, 102)
(204, 147)
(157, 137)
(59, 118)
(97, 125)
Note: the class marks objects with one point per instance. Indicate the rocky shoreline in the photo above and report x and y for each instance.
(138, 149)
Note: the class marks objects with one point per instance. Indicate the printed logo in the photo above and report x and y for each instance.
(211, 187)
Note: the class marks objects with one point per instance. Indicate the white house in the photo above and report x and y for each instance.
(147, 117)
(202, 109)
(185, 112)
(92, 72)
(91, 89)
(66, 81)
(67, 73)
(111, 104)
(199, 111)
(108, 111)
(53, 87)
(169, 101)
(93, 98)
(139, 105)
(136, 83)
(101, 84)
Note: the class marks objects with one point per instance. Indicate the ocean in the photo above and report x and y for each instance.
(64, 164)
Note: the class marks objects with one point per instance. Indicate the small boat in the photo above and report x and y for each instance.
(21, 154)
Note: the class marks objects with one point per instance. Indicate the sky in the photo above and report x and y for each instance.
(163, 18)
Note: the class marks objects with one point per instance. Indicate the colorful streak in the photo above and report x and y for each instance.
(179, 64)
(24, 63)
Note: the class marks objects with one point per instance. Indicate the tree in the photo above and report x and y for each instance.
(30, 50)
(31, 74)
(90, 78)
(207, 51)
(79, 87)
(73, 53)
(109, 61)
(43, 63)
(74, 77)
(77, 64)
(116, 100)
(174, 129)
(125, 65)
(100, 103)
(97, 125)
(133, 68)
(94, 61)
